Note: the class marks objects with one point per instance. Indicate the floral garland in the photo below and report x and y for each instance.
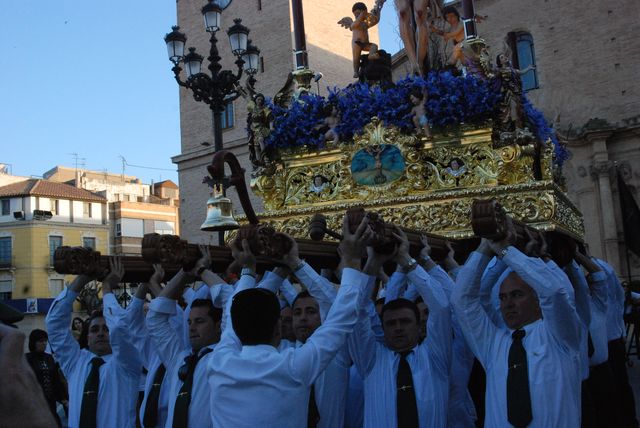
(451, 101)
(543, 131)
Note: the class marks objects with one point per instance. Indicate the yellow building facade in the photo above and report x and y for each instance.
(36, 217)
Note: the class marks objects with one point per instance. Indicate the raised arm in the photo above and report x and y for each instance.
(474, 322)
(167, 340)
(438, 341)
(58, 322)
(558, 311)
(581, 288)
(242, 255)
(396, 286)
(597, 282)
(309, 360)
(319, 287)
(112, 310)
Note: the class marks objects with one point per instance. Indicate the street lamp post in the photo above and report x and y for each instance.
(219, 87)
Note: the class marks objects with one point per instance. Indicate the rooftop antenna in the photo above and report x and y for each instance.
(124, 163)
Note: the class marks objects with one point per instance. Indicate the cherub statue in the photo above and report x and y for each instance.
(360, 32)
(320, 184)
(456, 169)
(419, 112)
(511, 113)
(329, 123)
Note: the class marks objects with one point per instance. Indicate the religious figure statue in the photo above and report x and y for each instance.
(260, 119)
(360, 32)
(419, 112)
(455, 33)
(416, 37)
(511, 113)
(329, 123)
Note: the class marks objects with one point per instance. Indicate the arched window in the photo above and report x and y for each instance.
(521, 44)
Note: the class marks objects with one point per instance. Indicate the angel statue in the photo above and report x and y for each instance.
(511, 113)
(360, 32)
(418, 98)
(329, 123)
(259, 121)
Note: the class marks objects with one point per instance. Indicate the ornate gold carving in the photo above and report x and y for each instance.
(441, 178)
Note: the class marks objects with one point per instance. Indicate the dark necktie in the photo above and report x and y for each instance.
(183, 400)
(89, 408)
(313, 417)
(150, 419)
(406, 408)
(518, 395)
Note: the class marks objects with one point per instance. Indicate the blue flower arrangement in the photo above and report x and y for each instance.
(543, 131)
(451, 101)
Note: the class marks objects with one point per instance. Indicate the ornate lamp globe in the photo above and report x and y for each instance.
(251, 58)
(192, 62)
(211, 12)
(175, 41)
(238, 36)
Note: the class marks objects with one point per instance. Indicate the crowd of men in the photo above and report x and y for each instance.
(506, 339)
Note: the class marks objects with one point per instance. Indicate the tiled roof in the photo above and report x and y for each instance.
(167, 183)
(49, 189)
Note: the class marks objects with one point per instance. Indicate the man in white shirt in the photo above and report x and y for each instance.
(328, 396)
(103, 379)
(406, 383)
(617, 353)
(186, 367)
(530, 362)
(252, 382)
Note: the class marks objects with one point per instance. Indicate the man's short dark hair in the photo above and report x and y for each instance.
(95, 314)
(254, 315)
(83, 339)
(450, 9)
(304, 294)
(400, 304)
(214, 313)
(359, 6)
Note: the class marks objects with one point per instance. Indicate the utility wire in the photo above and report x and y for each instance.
(124, 161)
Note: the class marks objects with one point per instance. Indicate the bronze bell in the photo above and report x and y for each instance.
(219, 214)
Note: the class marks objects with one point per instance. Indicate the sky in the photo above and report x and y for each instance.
(86, 83)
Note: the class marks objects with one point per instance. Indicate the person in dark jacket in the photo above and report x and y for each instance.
(47, 371)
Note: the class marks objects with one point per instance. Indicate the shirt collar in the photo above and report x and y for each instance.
(527, 328)
(258, 349)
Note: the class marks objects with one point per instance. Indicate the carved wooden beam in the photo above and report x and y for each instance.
(489, 220)
(173, 254)
(382, 239)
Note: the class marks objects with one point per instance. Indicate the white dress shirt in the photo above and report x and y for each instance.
(331, 386)
(598, 324)
(615, 302)
(462, 412)
(172, 354)
(552, 343)
(118, 390)
(133, 317)
(354, 414)
(429, 362)
(260, 386)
